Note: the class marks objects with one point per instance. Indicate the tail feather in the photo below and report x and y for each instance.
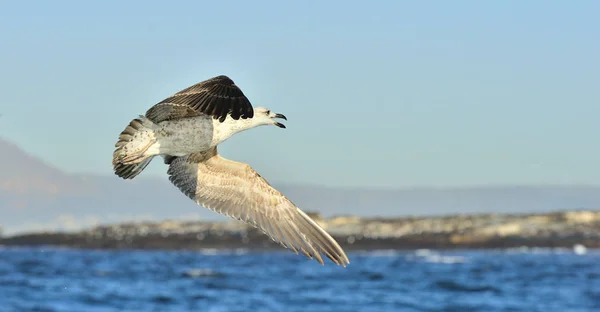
(131, 171)
(132, 151)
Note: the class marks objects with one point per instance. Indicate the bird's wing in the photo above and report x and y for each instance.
(217, 97)
(234, 189)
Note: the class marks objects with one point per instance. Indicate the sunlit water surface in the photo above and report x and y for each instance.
(47, 279)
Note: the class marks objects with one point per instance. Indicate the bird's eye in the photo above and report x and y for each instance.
(268, 112)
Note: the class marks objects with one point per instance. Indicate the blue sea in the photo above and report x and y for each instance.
(47, 279)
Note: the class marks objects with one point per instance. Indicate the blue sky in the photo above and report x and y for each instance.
(380, 94)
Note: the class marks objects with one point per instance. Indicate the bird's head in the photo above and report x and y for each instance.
(264, 116)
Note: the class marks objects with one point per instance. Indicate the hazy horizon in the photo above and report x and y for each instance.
(35, 196)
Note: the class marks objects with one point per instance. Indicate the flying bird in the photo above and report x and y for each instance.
(185, 130)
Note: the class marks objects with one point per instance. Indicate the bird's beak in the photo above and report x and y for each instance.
(282, 116)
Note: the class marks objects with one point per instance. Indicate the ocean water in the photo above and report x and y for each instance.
(46, 279)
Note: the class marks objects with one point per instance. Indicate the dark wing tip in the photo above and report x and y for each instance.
(218, 97)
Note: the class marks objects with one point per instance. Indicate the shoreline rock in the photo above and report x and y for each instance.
(556, 229)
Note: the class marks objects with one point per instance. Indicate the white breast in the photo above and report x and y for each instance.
(224, 130)
(183, 136)
(196, 134)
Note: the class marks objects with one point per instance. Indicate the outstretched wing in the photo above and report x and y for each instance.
(234, 189)
(217, 97)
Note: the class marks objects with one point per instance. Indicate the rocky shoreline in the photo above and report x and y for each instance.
(557, 229)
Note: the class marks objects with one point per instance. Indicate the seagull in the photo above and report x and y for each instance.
(185, 130)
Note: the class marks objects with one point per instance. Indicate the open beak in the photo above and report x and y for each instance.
(282, 116)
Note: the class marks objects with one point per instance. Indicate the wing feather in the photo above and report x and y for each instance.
(218, 97)
(236, 190)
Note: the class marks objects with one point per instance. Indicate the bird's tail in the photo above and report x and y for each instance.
(135, 148)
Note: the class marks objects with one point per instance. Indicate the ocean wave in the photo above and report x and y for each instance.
(197, 273)
(430, 256)
(422, 280)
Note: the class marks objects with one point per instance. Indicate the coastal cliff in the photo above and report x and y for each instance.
(558, 229)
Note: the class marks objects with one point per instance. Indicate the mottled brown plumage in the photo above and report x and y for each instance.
(186, 129)
(234, 189)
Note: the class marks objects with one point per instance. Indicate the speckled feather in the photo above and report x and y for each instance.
(143, 138)
(130, 141)
(234, 189)
(186, 129)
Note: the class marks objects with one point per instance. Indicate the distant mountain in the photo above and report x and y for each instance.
(21, 173)
(37, 196)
